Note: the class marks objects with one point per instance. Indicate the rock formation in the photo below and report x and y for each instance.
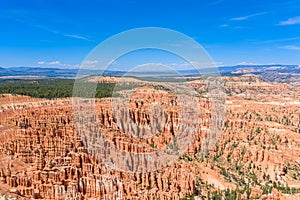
(43, 155)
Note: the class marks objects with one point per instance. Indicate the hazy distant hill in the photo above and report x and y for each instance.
(267, 72)
(38, 71)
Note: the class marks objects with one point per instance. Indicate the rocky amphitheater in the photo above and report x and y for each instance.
(43, 154)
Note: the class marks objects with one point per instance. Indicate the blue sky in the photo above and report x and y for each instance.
(52, 33)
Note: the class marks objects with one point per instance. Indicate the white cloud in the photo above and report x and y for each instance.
(28, 19)
(49, 63)
(247, 17)
(57, 64)
(76, 36)
(41, 62)
(54, 63)
(219, 64)
(248, 63)
(290, 21)
(90, 62)
(290, 47)
(152, 67)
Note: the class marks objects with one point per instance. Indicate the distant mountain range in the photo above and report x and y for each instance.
(259, 69)
(39, 72)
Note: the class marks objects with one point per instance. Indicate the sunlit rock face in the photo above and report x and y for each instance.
(43, 154)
